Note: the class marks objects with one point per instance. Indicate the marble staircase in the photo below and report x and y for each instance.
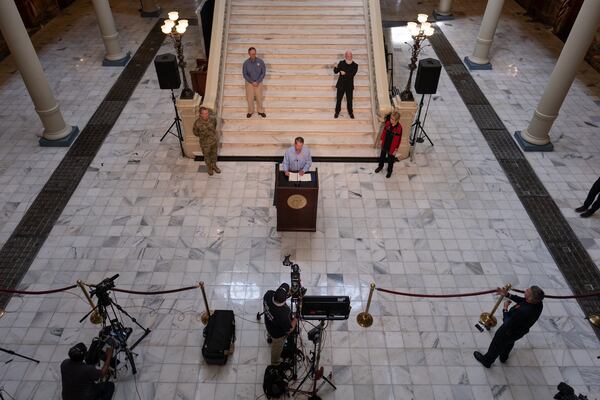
(299, 41)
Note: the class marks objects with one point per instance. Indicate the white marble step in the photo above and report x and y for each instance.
(299, 4)
(303, 92)
(293, 69)
(277, 150)
(361, 116)
(287, 138)
(287, 102)
(297, 49)
(296, 80)
(271, 29)
(296, 122)
(318, 12)
(297, 59)
(294, 19)
(258, 40)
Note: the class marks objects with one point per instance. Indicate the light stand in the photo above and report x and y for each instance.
(176, 32)
(177, 124)
(418, 132)
(419, 34)
(13, 353)
(315, 372)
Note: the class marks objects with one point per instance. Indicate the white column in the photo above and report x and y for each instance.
(481, 55)
(149, 9)
(115, 55)
(443, 11)
(563, 75)
(17, 39)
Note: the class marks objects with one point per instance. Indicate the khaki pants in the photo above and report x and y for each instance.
(254, 93)
(276, 349)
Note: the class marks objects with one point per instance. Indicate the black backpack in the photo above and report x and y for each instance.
(274, 384)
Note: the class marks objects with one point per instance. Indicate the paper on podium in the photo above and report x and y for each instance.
(296, 177)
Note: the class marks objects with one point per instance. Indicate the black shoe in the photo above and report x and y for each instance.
(586, 214)
(378, 169)
(248, 115)
(479, 357)
(351, 115)
(336, 115)
(581, 209)
(263, 115)
(503, 360)
(389, 173)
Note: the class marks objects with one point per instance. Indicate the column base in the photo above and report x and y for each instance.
(62, 142)
(150, 14)
(474, 66)
(526, 146)
(442, 17)
(117, 63)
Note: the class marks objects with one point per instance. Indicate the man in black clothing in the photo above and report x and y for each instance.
(278, 319)
(345, 84)
(585, 209)
(516, 324)
(79, 379)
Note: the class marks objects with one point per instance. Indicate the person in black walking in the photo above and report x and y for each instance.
(345, 84)
(278, 319)
(516, 324)
(585, 209)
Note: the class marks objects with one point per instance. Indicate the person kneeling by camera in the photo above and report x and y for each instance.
(278, 319)
(79, 380)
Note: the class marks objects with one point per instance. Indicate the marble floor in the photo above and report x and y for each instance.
(448, 222)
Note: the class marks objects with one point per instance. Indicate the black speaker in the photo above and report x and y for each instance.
(167, 71)
(428, 76)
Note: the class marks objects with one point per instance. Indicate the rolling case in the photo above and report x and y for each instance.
(219, 335)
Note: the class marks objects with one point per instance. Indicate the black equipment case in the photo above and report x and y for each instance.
(219, 335)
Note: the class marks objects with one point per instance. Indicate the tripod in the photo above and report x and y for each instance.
(13, 353)
(418, 132)
(316, 336)
(177, 124)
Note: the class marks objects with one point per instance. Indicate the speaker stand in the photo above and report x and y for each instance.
(418, 132)
(177, 124)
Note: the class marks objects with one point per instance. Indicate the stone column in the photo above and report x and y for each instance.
(535, 137)
(444, 11)
(149, 9)
(188, 111)
(115, 56)
(56, 131)
(481, 55)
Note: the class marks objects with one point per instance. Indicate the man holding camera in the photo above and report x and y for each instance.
(278, 319)
(79, 379)
(515, 325)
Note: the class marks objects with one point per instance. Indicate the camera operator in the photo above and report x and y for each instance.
(79, 379)
(278, 319)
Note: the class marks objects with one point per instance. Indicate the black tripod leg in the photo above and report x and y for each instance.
(169, 130)
(329, 382)
(426, 135)
(301, 383)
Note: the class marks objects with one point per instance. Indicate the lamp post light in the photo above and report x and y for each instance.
(175, 28)
(419, 32)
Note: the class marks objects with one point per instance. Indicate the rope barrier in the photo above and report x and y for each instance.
(155, 292)
(437, 295)
(36, 292)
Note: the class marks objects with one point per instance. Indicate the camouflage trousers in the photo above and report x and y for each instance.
(209, 151)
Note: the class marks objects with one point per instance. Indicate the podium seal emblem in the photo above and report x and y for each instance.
(297, 201)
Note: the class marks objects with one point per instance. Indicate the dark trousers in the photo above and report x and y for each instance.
(105, 390)
(500, 346)
(383, 157)
(589, 201)
(340, 95)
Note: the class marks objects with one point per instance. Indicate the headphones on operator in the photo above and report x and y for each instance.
(77, 353)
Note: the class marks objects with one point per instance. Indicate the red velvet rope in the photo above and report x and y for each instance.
(437, 295)
(35, 292)
(156, 292)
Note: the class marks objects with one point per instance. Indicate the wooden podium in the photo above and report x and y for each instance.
(296, 202)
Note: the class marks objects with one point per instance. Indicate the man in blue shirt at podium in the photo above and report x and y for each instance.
(297, 158)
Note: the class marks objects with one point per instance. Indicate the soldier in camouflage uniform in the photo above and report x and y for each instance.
(205, 128)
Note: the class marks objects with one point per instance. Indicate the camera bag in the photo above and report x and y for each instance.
(219, 336)
(274, 383)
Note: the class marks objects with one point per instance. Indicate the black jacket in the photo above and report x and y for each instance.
(519, 318)
(346, 81)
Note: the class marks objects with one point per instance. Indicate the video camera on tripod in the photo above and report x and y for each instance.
(113, 332)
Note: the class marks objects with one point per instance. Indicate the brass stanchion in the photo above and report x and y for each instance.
(594, 320)
(206, 313)
(488, 320)
(365, 319)
(95, 317)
